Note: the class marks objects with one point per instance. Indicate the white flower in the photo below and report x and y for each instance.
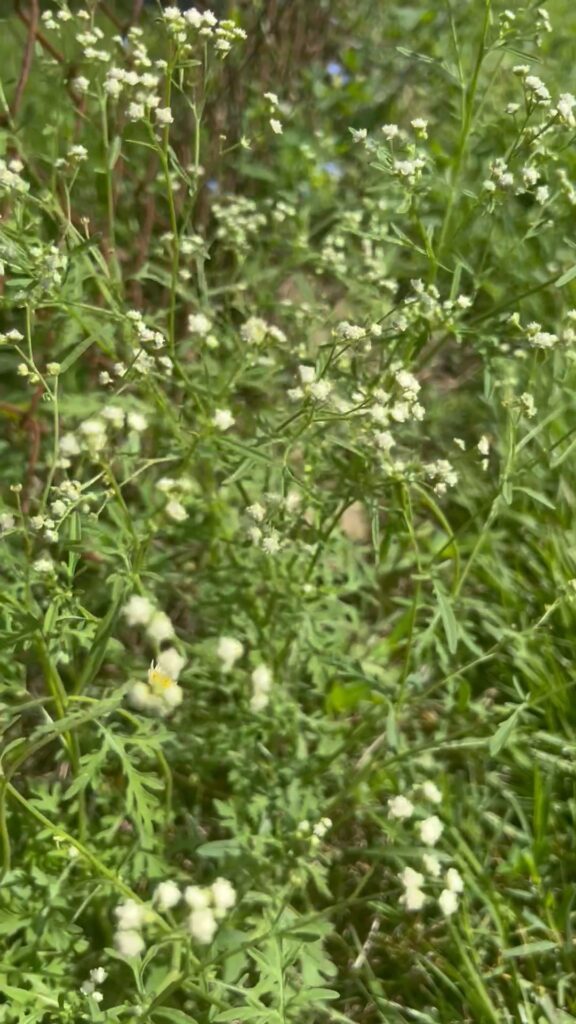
(172, 698)
(81, 85)
(413, 898)
(411, 879)
(141, 697)
(138, 611)
(271, 544)
(254, 330)
(420, 125)
(114, 414)
(565, 105)
(199, 324)
(44, 565)
(78, 153)
(358, 134)
(320, 389)
(430, 830)
(224, 896)
(431, 792)
(223, 419)
(202, 924)
(137, 421)
(390, 131)
(307, 374)
(262, 678)
(130, 915)
(454, 880)
(229, 651)
(167, 895)
(171, 662)
(431, 864)
(164, 115)
(400, 807)
(136, 111)
(261, 684)
(98, 975)
(94, 431)
(196, 897)
(129, 943)
(257, 512)
(276, 126)
(7, 521)
(484, 445)
(259, 700)
(160, 627)
(448, 902)
(176, 511)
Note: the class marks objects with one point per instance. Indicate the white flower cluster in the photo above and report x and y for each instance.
(333, 255)
(314, 833)
(160, 694)
(93, 434)
(10, 179)
(202, 327)
(223, 34)
(53, 20)
(430, 829)
(229, 651)
(130, 920)
(89, 987)
(255, 331)
(441, 475)
(140, 611)
(414, 897)
(7, 522)
(538, 338)
(238, 222)
(311, 386)
(262, 532)
(261, 686)
(208, 906)
(175, 491)
(144, 335)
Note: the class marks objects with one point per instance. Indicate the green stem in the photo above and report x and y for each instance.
(467, 99)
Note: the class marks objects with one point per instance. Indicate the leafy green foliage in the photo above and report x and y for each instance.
(287, 337)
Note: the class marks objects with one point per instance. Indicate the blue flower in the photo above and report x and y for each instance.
(332, 169)
(335, 70)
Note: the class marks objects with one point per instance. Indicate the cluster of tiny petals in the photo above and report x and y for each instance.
(208, 906)
(160, 694)
(261, 685)
(223, 34)
(130, 920)
(229, 651)
(89, 987)
(430, 830)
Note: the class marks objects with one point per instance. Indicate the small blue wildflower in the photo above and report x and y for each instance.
(335, 70)
(332, 169)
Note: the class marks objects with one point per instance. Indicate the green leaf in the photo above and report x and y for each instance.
(530, 949)
(504, 731)
(448, 618)
(220, 848)
(173, 1016)
(567, 277)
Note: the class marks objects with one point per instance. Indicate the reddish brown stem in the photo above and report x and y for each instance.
(28, 57)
